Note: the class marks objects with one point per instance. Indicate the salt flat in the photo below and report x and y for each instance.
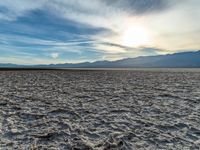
(100, 109)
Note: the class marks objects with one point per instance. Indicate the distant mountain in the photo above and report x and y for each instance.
(177, 60)
(9, 65)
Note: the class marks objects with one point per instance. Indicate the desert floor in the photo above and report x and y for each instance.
(100, 109)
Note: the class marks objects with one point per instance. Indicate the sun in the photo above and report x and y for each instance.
(135, 36)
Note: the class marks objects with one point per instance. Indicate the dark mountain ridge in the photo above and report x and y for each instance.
(176, 60)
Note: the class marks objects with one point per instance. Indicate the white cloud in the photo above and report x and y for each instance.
(16, 8)
(55, 55)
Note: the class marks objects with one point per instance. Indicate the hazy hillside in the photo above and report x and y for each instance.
(177, 60)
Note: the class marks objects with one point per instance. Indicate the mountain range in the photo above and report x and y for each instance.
(176, 60)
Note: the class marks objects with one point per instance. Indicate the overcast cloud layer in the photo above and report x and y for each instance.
(59, 31)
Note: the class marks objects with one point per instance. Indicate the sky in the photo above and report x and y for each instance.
(72, 31)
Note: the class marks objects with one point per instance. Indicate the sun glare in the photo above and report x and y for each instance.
(135, 37)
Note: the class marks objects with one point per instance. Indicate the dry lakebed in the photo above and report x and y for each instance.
(144, 109)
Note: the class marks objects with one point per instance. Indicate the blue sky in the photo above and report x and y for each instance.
(60, 31)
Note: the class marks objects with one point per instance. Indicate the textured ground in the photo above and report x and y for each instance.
(138, 109)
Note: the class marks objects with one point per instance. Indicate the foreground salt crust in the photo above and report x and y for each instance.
(138, 109)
